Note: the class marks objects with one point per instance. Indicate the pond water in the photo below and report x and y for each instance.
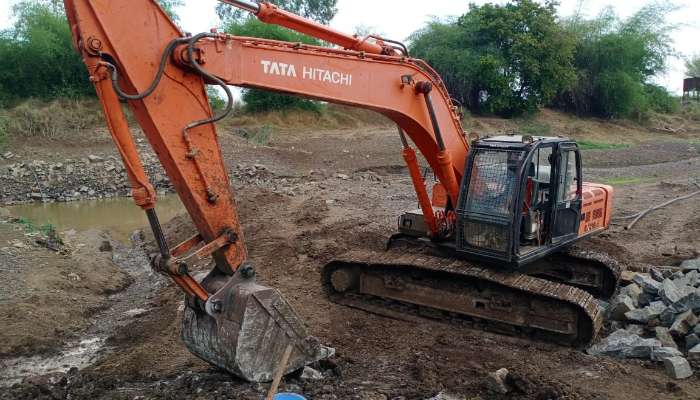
(119, 216)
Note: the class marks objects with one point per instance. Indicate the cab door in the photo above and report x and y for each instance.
(567, 190)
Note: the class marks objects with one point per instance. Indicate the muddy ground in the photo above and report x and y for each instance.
(311, 196)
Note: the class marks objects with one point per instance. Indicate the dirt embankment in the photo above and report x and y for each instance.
(48, 297)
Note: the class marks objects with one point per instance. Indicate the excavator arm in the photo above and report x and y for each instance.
(135, 53)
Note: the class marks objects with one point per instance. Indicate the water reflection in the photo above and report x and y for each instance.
(119, 216)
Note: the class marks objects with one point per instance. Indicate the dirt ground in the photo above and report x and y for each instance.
(343, 190)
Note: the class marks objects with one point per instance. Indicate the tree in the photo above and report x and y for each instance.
(505, 59)
(37, 57)
(615, 60)
(692, 67)
(321, 11)
(169, 7)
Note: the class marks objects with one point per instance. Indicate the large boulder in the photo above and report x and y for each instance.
(672, 292)
(689, 265)
(664, 336)
(662, 353)
(647, 283)
(677, 368)
(633, 291)
(621, 305)
(646, 314)
(624, 344)
(684, 323)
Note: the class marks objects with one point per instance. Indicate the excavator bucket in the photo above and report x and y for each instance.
(246, 330)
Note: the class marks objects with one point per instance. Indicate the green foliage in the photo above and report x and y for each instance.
(169, 7)
(259, 100)
(661, 100)
(692, 67)
(37, 57)
(216, 101)
(505, 60)
(258, 135)
(4, 122)
(536, 129)
(318, 10)
(615, 59)
(589, 145)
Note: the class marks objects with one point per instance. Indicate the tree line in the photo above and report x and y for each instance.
(504, 60)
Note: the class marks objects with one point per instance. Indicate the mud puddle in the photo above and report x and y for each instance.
(119, 216)
(77, 355)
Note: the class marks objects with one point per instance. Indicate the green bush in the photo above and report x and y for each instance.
(661, 100)
(257, 101)
(37, 57)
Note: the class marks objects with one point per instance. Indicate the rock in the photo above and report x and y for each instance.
(311, 374)
(696, 330)
(667, 317)
(497, 381)
(135, 312)
(94, 159)
(671, 292)
(36, 196)
(624, 344)
(656, 275)
(662, 353)
(645, 299)
(7, 155)
(691, 341)
(626, 276)
(635, 329)
(74, 277)
(694, 356)
(677, 368)
(621, 304)
(106, 246)
(633, 291)
(646, 314)
(647, 284)
(690, 301)
(664, 336)
(342, 176)
(693, 264)
(684, 323)
(441, 396)
(91, 192)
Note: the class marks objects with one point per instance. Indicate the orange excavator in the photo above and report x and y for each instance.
(493, 245)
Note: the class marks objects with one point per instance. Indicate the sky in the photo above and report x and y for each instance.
(397, 19)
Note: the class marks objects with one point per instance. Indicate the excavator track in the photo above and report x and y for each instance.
(589, 269)
(408, 284)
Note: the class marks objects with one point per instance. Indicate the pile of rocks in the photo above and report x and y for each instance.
(92, 177)
(655, 317)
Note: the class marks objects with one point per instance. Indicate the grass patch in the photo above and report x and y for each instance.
(591, 145)
(628, 180)
(36, 118)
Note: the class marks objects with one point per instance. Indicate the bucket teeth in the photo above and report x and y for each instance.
(250, 333)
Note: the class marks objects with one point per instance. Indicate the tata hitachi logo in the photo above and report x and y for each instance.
(310, 73)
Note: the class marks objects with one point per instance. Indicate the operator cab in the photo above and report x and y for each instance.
(520, 197)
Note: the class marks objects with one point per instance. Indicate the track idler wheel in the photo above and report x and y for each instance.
(245, 329)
